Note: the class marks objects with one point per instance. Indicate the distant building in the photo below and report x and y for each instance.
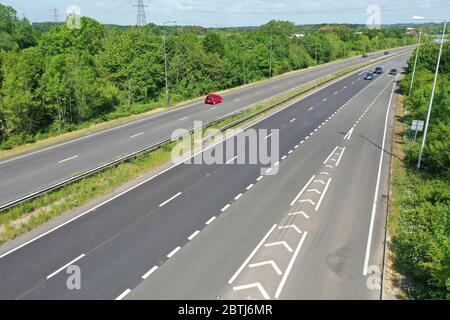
(412, 32)
(299, 35)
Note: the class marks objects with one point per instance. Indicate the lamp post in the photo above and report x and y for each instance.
(315, 56)
(165, 59)
(415, 62)
(271, 49)
(433, 89)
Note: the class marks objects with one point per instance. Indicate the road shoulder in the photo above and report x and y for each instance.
(393, 282)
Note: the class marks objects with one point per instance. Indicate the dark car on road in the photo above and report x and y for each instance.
(368, 75)
(365, 55)
(393, 71)
(213, 98)
(378, 70)
(386, 53)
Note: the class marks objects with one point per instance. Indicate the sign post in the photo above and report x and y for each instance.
(417, 125)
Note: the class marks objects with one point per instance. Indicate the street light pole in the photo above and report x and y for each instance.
(165, 61)
(315, 56)
(271, 49)
(270, 55)
(431, 99)
(415, 62)
(317, 44)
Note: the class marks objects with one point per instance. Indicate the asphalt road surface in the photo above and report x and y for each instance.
(233, 231)
(33, 171)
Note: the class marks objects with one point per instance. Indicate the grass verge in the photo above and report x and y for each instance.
(394, 282)
(26, 216)
(155, 108)
(418, 256)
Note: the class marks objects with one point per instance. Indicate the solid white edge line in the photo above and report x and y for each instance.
(332, 152)
(349, 133)
(123, 294)
(65, 266)
(375, 196)
(170, 199)
(289, 267)
(251, 255)
(163, 171)
(149, 272)
(172, 253)
(322, 195)
(340, 157)
(303, 190)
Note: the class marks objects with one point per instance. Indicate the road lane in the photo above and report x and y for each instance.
(38, 169)
(329, 260)
(126, 237)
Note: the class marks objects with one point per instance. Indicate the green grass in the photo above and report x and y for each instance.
(26, 216)
(419, 224)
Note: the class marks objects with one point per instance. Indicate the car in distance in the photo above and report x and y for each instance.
(393, 71)
(365, 55)
(368, 75)
(378, 70)
(213, 98)
(386, 53)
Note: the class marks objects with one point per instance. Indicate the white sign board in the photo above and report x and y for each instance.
(417, 125)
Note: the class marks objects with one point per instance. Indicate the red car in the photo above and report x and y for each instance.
(213, 98)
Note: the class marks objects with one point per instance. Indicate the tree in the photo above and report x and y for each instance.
(212, 43)
(24, 112)
(61, 39)
(133, 61)
(14, 32)
(72, 76)
(23, 34)
(7, 18)
(7, 42)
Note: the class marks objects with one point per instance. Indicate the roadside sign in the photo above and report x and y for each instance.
(417, 125)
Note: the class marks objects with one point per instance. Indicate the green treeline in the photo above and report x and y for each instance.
(57, 79)
(422, 241)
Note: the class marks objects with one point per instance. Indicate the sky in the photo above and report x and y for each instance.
(230, 13)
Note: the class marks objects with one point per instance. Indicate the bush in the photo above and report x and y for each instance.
(422, 244)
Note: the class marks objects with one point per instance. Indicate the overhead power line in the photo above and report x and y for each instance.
(140, 19)
(55, 16)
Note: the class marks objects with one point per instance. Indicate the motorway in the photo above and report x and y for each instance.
(225, 231)
(31, 172)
